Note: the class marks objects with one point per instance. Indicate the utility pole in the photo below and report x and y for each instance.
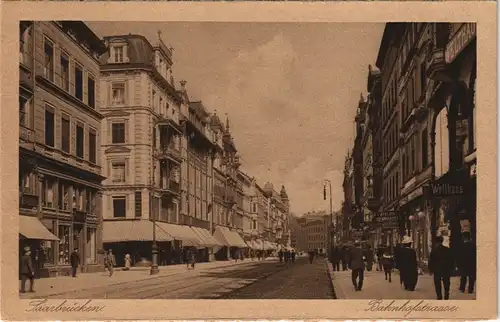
(330, 226)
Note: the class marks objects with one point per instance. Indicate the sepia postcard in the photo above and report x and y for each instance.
(248, 161)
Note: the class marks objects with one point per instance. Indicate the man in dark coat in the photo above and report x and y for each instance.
(357, 265)
(397, 261)
(467, 264)
(343, 257)
(27, 272)
(408, 266)
(380, 254)
(369, 258)
(75, 261)
(441, 265)
(336, 259)
(280, 255)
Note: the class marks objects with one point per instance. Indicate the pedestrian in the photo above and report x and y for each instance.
(74, 259)
(397, 259)
(369, 258)
(311, 256)
(408, 266)
(186, 256)
(293, 255)
(467, 263)
(441, 265)
(27, 272)
(387, 262)
(380, 254)
(357, 265)
(336, 259)
(110, 262)
(128, 263)
(280, 255)
(193, 259)
(343, 258)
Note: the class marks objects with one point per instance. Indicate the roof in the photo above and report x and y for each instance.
(139, 50)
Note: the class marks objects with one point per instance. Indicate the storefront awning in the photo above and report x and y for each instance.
(229, 238)
(116, 231)
(182, 233)
(206, 237)
(32, 228)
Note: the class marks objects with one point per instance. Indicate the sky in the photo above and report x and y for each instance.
(290, 91)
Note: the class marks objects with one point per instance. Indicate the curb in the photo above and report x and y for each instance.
(329, 270)
(120, 283)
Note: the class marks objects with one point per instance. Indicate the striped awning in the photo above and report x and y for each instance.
(32, 228)
(206, 237)
(229, 238)
(116, 231)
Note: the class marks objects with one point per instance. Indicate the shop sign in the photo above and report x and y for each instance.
(446, 189)
(387, 219)
(460, 40)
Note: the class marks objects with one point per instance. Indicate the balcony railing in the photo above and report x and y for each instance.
(168, 152)
(26, 135)
(28, 201)
(171, 187)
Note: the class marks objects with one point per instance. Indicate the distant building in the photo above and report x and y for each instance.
(310, 231)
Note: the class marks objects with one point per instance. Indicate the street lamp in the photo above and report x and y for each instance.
(330, 226)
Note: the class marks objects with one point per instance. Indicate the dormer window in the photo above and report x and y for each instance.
(118, 52)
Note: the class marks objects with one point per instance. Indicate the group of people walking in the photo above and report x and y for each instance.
(443, 264)
(287, 256)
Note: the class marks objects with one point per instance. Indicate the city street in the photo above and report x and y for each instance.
(300, 281)
(207, 281)
(376, 287)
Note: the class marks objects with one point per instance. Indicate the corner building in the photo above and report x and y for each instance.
(59, 134)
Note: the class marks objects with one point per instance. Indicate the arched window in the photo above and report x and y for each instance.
(442, 150)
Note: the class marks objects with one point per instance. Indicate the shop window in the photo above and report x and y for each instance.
(65, 72)
(92, 146)
(48, 195)
(63, 196)
(78, 80)
(91, 247)
(49, 126)
(64, 247)
(119, 207)
(118, 133)
(48, 247)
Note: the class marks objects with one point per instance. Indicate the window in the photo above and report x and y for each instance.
(78, 82)
(92, 146)
(48, 247)
(64, 253)
(49, 59)
(425, 160)
(118, 172)
(118, 133)
(49, 127)
(24, 38)
(162, 112)
(91, 202)
(91, 249)
(138, 204)
(118, 50)
(65, 133)
(413, 156)
(63, 196)
(79, 141)
(153, 100)
(119, 207)
(23, 106)
(118, 94)
(65, 72)
(48, 193)
(91, 92)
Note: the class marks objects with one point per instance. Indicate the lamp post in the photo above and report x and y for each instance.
(330, 226)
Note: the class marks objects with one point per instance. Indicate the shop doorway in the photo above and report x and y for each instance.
(79, 242)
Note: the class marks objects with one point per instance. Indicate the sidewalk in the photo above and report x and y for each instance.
(376, 287)
(56, 285)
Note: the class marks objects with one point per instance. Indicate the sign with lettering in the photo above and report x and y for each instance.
(446, 189)
(387, 219)
(460, 40)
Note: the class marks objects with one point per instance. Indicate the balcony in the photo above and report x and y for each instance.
(436, 66)
(79, 215)
(28, 201)
(170, 187)
(169, 152)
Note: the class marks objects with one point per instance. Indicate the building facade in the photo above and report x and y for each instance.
(60, 130)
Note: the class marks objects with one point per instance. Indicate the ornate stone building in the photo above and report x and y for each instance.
(59, 133)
